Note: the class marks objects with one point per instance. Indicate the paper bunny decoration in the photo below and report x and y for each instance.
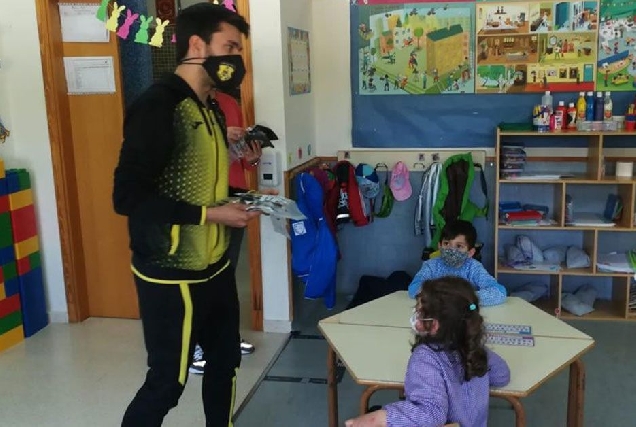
(229, 4)
(124, 30)
(157, 37)
(102, 11)
(142, 33)
(111, 24)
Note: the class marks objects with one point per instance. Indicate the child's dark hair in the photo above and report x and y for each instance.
(460, 228)
(454, 304)
(203, 20)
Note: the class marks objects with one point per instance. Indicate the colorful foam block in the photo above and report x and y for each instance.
(20, 199)
(18, 180)
(12, 287)
(4, 203)
(11, 338)
(7, 255)
(9, 305)
(1, 168)
(35, 260)
(6, 235)
(33, 302)
(23, 265)
(23, 223)
(26, 247)
(3, 295)
(9, 271)
(4, 187)
(10, 321)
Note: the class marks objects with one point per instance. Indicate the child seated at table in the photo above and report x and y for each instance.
(450, 371)
(457, 247)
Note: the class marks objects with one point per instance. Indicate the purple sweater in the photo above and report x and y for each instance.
(436, 392)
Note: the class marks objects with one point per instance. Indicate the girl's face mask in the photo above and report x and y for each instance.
(414, 319)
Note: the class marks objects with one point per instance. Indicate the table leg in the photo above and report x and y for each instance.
(520, 414)
(332, 387)
(576, 394)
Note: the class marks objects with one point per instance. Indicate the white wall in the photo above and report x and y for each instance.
(23, 110)
(299, 109)
(331, 75)
(292, 118)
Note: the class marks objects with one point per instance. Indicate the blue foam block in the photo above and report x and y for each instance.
(12, 287)
(7, 255)
(13, 182)
(4, 188)
(33, 302)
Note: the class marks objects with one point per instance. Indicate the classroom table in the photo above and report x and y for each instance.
(373, 342)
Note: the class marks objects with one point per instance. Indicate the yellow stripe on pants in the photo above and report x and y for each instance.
(186, 331)
(233, 398)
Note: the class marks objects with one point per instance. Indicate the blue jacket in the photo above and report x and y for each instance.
(489, 291)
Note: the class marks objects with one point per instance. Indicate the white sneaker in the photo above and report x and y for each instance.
(247, 348)
(197, 368)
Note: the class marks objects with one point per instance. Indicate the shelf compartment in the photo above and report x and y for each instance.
(611, 303)
(593, 198)
(550, 195)
(589, 271)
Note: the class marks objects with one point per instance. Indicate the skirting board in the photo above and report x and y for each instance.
(278, 326)
(58, 316)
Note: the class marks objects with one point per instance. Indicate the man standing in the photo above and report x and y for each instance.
(173, 168)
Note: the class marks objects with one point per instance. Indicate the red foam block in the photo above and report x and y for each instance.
(9, 305)
(4, 204)
(23, 223)
(23, 265)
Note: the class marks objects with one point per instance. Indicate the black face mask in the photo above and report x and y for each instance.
(226, 71)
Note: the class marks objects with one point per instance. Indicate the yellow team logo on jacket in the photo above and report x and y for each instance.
(225, 72)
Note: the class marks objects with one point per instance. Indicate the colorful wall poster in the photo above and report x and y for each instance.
(616, 68)
(537, 46)
(415, 48)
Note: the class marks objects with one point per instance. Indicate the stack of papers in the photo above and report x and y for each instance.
(588, 219)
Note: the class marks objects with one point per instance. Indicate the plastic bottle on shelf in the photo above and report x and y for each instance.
(589, 107)
(608, 106)
(599, 106)
(571, 117)
(546, 100)
(581, 105)
(560, 116)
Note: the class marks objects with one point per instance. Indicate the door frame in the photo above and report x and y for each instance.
(63, 161)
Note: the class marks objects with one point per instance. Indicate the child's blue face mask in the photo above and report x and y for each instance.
(453, 257)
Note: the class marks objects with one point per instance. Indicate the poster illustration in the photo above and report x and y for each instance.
(616, 69)
(415, 48)
(536, 46)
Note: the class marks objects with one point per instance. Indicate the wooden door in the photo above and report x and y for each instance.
(95, 123)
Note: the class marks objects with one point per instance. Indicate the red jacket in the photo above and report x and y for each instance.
(234, 118)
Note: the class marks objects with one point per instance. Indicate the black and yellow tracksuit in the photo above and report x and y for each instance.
(174, 164)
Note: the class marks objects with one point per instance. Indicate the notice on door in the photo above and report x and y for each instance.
(79, 24)
(89, 75)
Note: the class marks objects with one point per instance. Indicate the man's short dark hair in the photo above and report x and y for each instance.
(459, 227)
(203, 20)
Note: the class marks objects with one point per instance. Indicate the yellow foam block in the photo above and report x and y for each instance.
(26, 247)
(2, 169)
(3, 295)
(11, 338)
(20, 199)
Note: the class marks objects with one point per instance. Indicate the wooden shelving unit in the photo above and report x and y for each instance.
(617, 307)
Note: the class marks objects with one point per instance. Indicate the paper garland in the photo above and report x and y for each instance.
(4, 133)
(142, 35)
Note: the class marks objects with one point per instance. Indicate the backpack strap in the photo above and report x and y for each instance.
(484, 188)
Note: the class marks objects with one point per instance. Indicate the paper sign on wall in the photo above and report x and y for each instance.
(87, 75)
(79, 25)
